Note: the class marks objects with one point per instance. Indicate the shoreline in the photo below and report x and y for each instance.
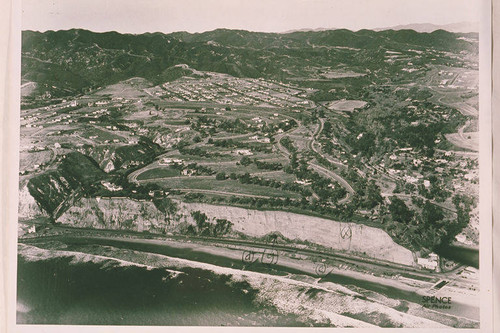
(230, 259)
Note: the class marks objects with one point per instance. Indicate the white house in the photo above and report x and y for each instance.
(428, 263)
(244, 152)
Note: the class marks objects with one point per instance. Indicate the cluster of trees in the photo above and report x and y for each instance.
(367, 192)
(130, 190)
(246, 178)
(285, 126)
(322, 186)
(427, 226)
(391, 121)
(230, 143)
(261, 165)
(205, 227)
(288, 144)
(204, 125)
(323, 161)
(197, 151)
(236, 126)
(436, 191)
(167, 206)
(341, 212)
(200, 169)
(330, 148)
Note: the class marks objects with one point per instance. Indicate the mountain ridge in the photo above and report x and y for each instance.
(76, 60)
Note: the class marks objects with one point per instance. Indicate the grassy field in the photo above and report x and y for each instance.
(276, 175)
(346, 105)
(158, 173)
(200, 159)
(125, 89)
(29, 159)
(167, 115)
(102, 135)
(229, 186)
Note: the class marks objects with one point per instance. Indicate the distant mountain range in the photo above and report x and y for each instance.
(72, 61)
(460, 27)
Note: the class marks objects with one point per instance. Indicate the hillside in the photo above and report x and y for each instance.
(70, 62)
(353, 126)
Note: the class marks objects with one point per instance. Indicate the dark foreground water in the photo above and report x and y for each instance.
(58, 291)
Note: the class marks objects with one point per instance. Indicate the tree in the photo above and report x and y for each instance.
(399, 211)
(200, 219)
(167, 206)
(220, 176)
(432, 214)
(373, 196)
(327, 128)
(245, 160)
(222, 227)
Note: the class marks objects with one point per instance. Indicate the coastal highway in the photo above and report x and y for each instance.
(388, 267)
(392, 280)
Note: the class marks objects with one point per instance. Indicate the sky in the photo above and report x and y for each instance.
(139, 16)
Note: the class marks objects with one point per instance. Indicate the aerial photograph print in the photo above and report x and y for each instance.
(283, 163)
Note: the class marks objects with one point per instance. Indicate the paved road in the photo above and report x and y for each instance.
(409, 283)
(459, 139)
(327, 172)
(225, 193)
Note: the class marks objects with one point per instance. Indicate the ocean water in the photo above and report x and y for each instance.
(61, 291)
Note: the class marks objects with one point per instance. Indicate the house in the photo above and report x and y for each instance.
(244, 152)
(429, 263)
(417, 162)
(169, 161)
(111, 187)
(410, 179)
(303, 182)
(188, 172)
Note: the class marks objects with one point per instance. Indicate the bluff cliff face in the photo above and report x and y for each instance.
(128, 214)
(28, 208)
(350, 237)
(118, 214)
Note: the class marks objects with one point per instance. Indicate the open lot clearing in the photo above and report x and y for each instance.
(346, 105)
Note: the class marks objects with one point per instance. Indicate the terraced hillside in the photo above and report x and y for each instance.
(361, 127)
